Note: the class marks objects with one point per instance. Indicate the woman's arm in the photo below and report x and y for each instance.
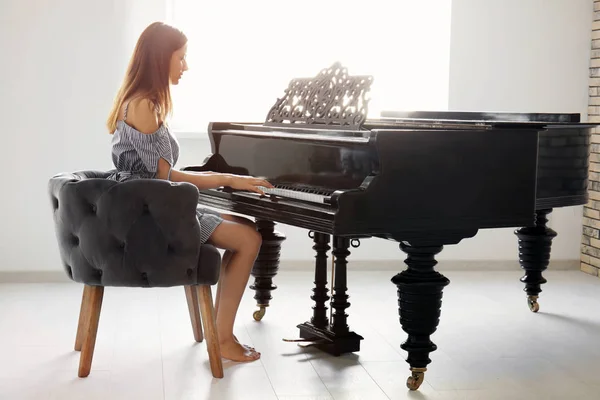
(202, 172)
(211, 180)
(144, 119)
(202, 181)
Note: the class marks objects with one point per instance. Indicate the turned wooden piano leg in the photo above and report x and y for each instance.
(266, 266)
(535, 243)
(419, 304)
(320, 297)
(339, 301)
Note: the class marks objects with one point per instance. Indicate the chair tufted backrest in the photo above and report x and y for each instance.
(138, 233)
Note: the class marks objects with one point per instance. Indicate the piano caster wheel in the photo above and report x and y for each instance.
(259, 314)
(416, 379)
(533, 304)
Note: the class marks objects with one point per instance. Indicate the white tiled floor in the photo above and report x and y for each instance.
(490, 345)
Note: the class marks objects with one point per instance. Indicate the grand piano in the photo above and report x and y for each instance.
(423, 179)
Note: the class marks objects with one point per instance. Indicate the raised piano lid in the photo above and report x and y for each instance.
(295, 131)
(485, 116)
(478, 119)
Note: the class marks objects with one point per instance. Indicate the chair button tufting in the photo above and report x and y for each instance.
(94, 208)
(69, 270)
(144, 276)
(146, 209)
(190, 272)
(75, 240)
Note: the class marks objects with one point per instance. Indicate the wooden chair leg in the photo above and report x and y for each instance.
(194, 309)
(82, 318)
(91, 319)
(204, 294)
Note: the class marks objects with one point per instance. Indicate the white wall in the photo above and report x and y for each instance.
(59, 74)
(524, 56)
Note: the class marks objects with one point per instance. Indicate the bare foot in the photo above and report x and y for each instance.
(234, 351)
(245, 345)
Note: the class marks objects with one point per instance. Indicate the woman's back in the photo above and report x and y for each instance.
(138, 144)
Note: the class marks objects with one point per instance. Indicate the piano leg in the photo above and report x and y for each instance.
(419, 305)
(534, 255)
(266, 266)
(340, 299)
(336, 339)
(320, 296)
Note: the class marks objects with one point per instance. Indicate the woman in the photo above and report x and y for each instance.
(143, 147)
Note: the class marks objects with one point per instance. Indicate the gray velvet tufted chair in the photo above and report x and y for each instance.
(139, 233)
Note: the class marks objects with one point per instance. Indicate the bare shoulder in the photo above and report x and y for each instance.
(142, 115)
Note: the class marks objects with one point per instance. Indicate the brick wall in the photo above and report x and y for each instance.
(590, 243)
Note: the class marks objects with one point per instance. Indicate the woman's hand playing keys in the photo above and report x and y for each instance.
(249, 183)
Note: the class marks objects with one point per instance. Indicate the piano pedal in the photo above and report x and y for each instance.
(304, 343)
(315, 343)
(297, 340)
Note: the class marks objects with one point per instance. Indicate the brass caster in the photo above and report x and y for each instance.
(533, 304)
(259, 314)
(416, 379)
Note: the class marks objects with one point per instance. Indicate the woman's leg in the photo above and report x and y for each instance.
(224, 262)
(243, 243)
(228, 253)
(226, 257)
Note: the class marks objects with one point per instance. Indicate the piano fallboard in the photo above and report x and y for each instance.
(311, 216)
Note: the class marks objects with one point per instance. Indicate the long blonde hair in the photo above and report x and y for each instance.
(148, 71)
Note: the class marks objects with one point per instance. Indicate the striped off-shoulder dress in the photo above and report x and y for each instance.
(135, 156)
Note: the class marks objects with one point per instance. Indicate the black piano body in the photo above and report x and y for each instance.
(563, 149)
(405, 175)
(423, 179)
(395, 183)
(422, 184)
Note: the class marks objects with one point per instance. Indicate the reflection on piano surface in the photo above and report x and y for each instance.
(423, 179)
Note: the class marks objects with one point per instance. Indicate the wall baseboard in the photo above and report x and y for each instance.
(443, 265)
(308, 265)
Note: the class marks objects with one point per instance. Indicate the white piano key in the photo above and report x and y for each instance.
(293, 194)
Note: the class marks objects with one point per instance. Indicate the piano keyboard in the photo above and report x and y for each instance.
(296, 194)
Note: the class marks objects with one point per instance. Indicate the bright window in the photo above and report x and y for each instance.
(242, 54)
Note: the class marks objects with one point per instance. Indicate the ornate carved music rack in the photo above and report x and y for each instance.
(332, 98)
